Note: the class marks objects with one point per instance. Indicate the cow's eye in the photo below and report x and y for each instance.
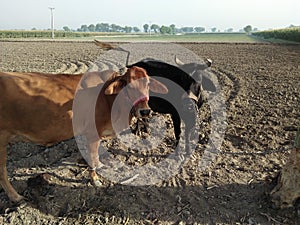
(123, 82)
(196, 89)
(145, 83)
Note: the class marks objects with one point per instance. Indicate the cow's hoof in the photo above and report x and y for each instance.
(181, 157)
(17, 198)
(177, 156)
(97, 183)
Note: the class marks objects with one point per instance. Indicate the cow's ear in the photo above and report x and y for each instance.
(114, 88)
(208, 84)
(157, 86)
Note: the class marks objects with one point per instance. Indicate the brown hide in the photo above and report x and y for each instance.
(38, 108)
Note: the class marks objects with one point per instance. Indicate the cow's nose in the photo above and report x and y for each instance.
(144, 112)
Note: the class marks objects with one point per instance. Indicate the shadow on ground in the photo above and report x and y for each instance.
(116, 203)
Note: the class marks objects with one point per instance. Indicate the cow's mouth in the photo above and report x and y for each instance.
(189, 105)
(140, 107)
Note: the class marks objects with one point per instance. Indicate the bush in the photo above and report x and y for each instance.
(289, 34)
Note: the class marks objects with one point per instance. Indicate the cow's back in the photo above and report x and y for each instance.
(37, 106)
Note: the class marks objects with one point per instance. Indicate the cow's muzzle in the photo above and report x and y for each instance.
(140, 107)
(144, 112)
(189, 105)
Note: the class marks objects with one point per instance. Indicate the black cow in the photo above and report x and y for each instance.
(188, 99)
(197, 71)
(189, 77)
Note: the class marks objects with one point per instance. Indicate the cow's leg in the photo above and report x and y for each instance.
(191, 124)
(176, 123)
(94, 162)
(8, 188)
(142, 126)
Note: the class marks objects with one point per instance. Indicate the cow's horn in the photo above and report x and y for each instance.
(178, 61)
(208, 62)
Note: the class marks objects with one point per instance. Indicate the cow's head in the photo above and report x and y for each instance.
(136, 84)
(202, 80)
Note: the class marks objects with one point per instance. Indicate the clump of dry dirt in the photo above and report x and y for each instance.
(260, 84)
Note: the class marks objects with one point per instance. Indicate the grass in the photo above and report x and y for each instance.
(273, 36)
(204, 37)
(117, 37)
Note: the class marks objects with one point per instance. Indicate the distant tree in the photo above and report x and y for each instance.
(214, 29)
(173, 28)
(248, 29)
(66, 28)
(98, 27)
(84, 28)
(136, 29)
(187, 29)
(229, 30)
(178, 30)
(119, 28)
(114, 28)
(146, 28)
(92, 28)
(255, 29)
(128, 29)
(199, 29)
(165, 30)
(105, 27)
(155, 28)
(102, 27)
(33, 28)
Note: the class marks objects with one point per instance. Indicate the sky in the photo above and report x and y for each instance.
(222, 14)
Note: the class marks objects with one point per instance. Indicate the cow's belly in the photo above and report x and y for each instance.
(47, 137)
(36, 140)
(43, 130)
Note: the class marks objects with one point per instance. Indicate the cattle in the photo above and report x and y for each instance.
(190, 77)
(189, 98)
(37, 107)
(197, 72)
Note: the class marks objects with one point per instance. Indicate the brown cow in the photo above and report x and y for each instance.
(38, 107)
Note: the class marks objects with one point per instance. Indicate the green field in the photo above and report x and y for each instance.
(280, 35)
(123, 37)
(291, 35)
(204, 37)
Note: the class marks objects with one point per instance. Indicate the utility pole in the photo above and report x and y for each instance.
(52, 21)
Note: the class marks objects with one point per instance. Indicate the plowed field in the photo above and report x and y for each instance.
(260, 84)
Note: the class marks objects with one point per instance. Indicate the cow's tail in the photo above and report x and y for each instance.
(107, 46)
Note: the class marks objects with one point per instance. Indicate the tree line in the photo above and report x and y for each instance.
(290, 34)
(147, 28)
